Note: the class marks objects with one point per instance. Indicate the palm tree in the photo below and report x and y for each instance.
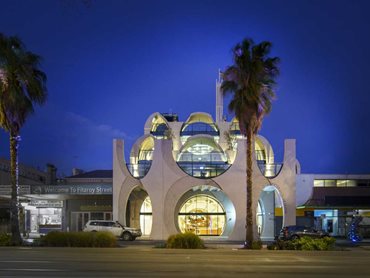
(22, 84)
(251, 81)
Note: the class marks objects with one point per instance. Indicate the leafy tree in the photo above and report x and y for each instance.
(251, 81)
(22, 85)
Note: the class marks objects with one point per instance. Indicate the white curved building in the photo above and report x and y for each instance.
(191, 176)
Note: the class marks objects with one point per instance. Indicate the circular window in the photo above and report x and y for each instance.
(202, 157)
(202, 215)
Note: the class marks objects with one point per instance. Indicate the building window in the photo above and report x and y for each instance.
(340, 183)
(202, 158)
(146, 217)
(318, 183)
(202, 215)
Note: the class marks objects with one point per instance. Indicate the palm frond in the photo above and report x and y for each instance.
(22, 83)
(251, 81)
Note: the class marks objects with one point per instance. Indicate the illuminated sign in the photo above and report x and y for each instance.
(103, 189)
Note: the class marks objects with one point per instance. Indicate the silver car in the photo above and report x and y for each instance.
(126, 233)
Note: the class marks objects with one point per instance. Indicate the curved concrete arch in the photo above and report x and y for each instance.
(153, 119)
(265, 144)
(219, 196)
(200, 139)
(199, 117)
(169, 158)
(128, 185)
(267, 200)
(176, 191)
(233, 125)
(288, 207)
(119, 158)
(147, 140)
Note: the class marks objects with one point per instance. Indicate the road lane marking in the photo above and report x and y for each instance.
(32, 269)
(44, 262)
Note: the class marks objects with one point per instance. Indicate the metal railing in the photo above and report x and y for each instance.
(270, 170)
(200, 128)
(159, 129)
(260, 155)
(203, 169)
(234, 129)
(139, 170)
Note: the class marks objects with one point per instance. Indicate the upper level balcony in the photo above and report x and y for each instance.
(203, 169)
(159, 130)
(141, 157)
(200, 128)
(270, 170)
(140, 169)
(202, 157)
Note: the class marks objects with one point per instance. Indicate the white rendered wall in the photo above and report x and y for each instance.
(166, 183)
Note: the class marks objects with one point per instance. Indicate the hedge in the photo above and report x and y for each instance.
(5, 239)
(79, 239)
(304, 243)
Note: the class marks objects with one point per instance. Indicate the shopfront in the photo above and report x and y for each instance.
(43, 216)
(65, 207)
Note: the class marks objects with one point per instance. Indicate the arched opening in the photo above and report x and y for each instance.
(269, 213)
(141, 157)
(199, 123)
(205, 211)
(159, 128)
(260, 151)
(235, 129)
(202, 157)
(139, 211)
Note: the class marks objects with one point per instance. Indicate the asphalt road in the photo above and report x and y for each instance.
(144, 261)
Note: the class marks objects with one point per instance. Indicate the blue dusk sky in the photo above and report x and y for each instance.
(110, 64)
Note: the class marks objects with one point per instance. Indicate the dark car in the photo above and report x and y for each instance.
(295, 232)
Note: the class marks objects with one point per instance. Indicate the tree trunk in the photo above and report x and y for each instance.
(249, 216)
(14, 203)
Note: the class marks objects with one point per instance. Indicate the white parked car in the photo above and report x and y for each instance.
(114, 227)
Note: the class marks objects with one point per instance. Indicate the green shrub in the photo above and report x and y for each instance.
(185, 241)
(257, 245)
(321, 244)
(5, 239)
(304, 243)
(272, 246)
(79, 239)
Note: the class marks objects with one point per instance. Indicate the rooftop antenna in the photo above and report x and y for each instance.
(219, 99)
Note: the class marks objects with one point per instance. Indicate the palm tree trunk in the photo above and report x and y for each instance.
(249, 220)
(14, 203)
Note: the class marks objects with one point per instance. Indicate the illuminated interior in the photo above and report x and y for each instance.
(202, 157)
(199, 123)
(159, 127)
(202, 215)
(146, 217)
(141, 159)
(270, 213)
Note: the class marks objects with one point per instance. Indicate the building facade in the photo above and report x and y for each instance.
(50, 204)
(191, 176)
